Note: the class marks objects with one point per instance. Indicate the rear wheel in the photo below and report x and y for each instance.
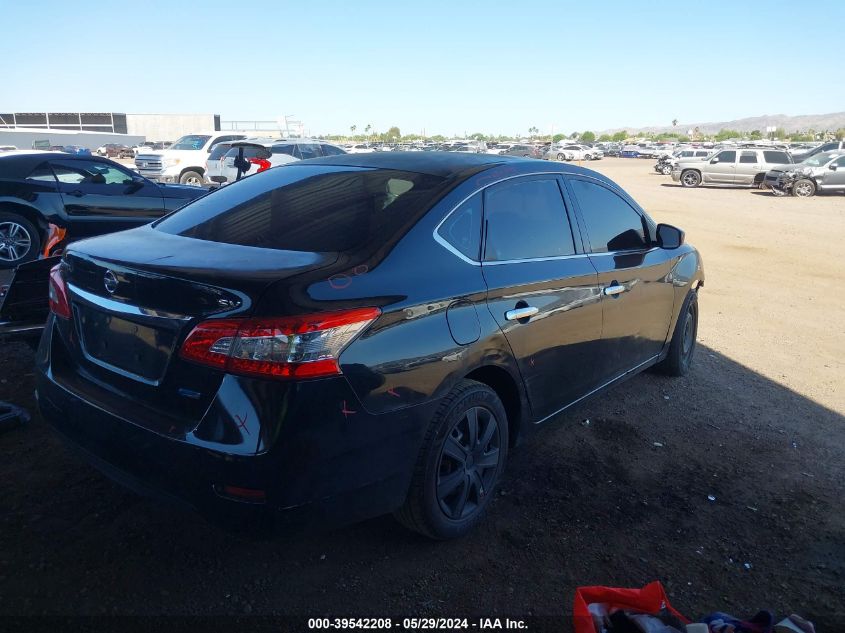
(804, 188)
(560, 156)
(462, 458)
(690, 178)
(20, 241)
(192, 178)
(682, 346)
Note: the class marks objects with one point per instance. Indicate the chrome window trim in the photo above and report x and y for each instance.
(445, 244)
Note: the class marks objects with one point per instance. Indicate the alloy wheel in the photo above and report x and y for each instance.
(468, 463)
(690, 179)
(803, 189)
(15, 242)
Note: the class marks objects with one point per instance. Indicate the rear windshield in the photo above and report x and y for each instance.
(250, 151)
(314, 208)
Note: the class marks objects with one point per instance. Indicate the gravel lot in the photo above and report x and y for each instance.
(758, 425)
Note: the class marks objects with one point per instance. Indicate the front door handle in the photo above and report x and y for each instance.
(76, 193)
(518, 314)
(615, 289)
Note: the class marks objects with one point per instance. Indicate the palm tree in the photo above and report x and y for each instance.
(367, 130)
(674, 122)
(352, 129)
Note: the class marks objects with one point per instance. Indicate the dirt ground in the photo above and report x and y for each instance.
(621, 500)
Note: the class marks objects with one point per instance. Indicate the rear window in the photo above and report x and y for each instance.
(250, 151)
(777, 158)
(309, 208)
(289, 150)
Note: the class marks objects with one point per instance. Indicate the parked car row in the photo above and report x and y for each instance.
(818, 169)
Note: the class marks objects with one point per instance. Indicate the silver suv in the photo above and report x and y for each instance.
(824, 171)
(740, 166)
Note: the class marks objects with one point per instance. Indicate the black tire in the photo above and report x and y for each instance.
(666, 170)
(193, 178)
(690, 178)
(804, 188)
(682, 347)
(561, 156)
(451, 487)
(20, 241)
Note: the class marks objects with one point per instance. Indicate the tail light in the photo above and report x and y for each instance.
(262, 163)
(305, 346)
(59, 304)
(55, 236)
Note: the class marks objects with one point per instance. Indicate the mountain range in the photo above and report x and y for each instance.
(801, 123)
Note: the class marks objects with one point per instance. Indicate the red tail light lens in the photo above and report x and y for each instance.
(305, 346)
(59, 304)
(261, 162)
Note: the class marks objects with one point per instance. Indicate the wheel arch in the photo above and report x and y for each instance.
(507, 387)
(30, 213)
(199, 170)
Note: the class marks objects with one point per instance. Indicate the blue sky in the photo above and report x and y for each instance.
(441, 66)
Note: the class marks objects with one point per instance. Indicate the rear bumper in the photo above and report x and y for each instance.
(20, 331)
(319, 457)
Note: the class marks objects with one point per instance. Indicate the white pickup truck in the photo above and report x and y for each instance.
(184, 161)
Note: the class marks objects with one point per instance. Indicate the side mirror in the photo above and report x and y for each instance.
(714, 161)
(669, 236)
(833, 167)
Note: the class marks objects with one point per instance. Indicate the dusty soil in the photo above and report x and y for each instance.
(758, 425)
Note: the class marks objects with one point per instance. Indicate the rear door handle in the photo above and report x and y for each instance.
(521, 313)
(612, 291)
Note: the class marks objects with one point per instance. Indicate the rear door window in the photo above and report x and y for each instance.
(288, 150)
(748, 157)
(309, 150)
(526, 219)
(777, 158)
(331, 150)
(315, 208)
(219, 150)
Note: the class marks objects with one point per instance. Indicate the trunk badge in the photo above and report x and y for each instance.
(110, 282)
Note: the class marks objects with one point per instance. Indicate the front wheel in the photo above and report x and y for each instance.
(682, 347)
(459, 466)
(690, 178)
(191, 178)
(666, 170)
(561, 157)
(20, 241)
(804, 188)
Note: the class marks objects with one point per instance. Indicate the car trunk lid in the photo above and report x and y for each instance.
(134, 302)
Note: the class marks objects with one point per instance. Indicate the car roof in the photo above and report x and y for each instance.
(450, 164)
(20, 164)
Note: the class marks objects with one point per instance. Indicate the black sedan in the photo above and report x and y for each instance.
(355, 335)
(81, 195)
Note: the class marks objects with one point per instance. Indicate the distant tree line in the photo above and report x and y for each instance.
(394, 135)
